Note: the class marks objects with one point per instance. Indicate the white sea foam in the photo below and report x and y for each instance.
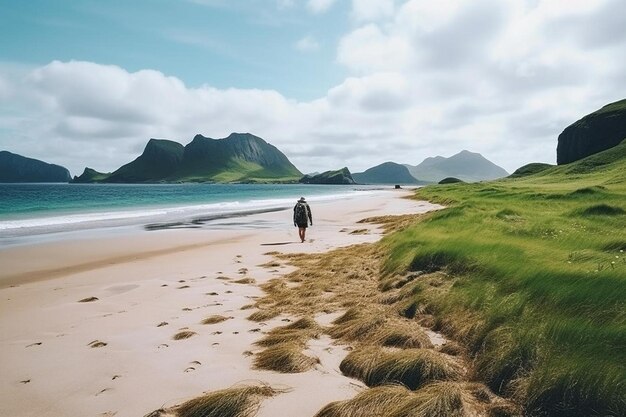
(143, 215)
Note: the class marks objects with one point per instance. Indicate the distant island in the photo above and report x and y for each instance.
(338, 177)
(240, 157)
(387, 173)
(18, 168)
(465, 165)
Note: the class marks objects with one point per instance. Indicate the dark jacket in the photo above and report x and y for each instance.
(301, 223)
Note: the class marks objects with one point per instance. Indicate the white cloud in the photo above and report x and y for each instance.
(308, 43)
(500, 77)
(319, 6)
(370, 10)
(368, 49)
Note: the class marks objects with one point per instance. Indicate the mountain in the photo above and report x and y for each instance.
(594, 133)
(467, 166)
(340, 176)
(386, 173)
(18, 168)
(241, 157)
(159, 160)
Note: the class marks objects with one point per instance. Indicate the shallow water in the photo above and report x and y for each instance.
(38, 209)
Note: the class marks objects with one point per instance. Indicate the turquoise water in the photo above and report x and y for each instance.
(28, 209)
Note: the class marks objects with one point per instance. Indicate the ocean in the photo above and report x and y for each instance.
(31, 210)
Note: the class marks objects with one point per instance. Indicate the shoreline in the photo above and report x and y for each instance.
(144, 279)
(28, 227)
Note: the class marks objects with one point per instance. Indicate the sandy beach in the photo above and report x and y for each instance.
(87, 324)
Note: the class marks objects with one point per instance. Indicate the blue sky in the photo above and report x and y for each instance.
(240, 43)
(331, 83)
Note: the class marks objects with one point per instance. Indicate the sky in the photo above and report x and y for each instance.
(331, 83)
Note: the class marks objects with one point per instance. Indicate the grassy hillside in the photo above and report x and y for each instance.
(536, 282)
(239, 170)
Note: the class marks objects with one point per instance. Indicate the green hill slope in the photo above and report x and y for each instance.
(534, 284)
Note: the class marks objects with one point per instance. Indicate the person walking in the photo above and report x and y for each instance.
(302, 217)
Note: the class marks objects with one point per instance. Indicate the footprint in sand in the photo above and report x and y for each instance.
(254, 330)
(115, 377)
(181, 280)
(103, 391)
(164, 285)
(247, 353)
(34, 344)
(195, 363)
(212, 293)
(109, 414)
(88, 300)
(183, 287)
(186, 309)
(190, 369)
(163, 323)
(163, 345)
(242, 271)
(26, 381)
(217, 332)
(229, 292)
(97, 344)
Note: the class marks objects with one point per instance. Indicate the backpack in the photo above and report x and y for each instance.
(300, 214)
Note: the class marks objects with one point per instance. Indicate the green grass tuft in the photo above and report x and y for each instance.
(602, 210)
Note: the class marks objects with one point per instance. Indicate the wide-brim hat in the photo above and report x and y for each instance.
(302, 199)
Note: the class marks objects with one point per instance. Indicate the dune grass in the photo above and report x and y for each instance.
(185, 334)
(264, 314)
(214, 319)
(410, 367)
(536, 281)
(285, 357)
(284, 347)
(439, 399)
(238, 401)
(371, 325)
